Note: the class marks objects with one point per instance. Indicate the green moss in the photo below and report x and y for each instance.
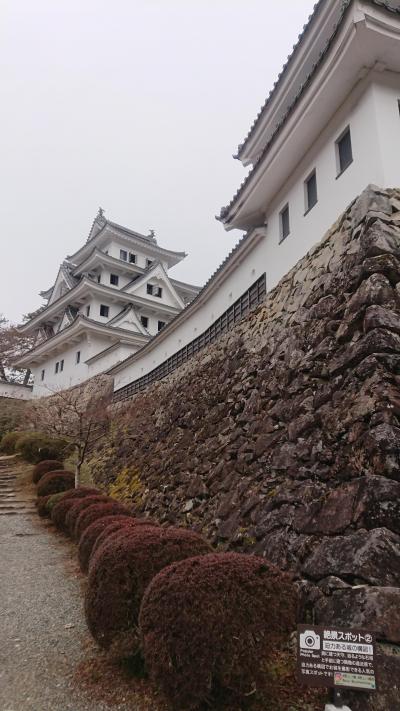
(127, 487)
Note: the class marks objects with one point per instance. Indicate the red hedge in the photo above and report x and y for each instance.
(79, 506)
(94, 531)
(113, 528)
(48, 465)
(99, 510)
(209, 625)
(120, 573)
(61, 509)
(53, 482)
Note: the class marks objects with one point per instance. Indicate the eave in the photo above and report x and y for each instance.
(312, 42)
(351, 56)
(305, 53)
(78, 295)
(98, 258)
(72, 334)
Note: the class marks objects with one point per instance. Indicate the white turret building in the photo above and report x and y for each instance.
(108, 300)
(329, 127)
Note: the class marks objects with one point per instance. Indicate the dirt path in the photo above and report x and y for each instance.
(47, 659)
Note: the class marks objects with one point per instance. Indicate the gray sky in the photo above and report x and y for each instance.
(134, 105)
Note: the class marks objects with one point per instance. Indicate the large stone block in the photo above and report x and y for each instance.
(370, 556)
(372, 199)
(375, 608)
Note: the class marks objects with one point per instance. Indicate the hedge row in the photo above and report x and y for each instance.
(34, 447)
(205, 623)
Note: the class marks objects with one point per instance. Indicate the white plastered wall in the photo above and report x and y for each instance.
(387, 98)
(334, 193)
(372, 163)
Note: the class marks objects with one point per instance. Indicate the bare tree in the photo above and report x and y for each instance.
(13, 343)
(79, 415)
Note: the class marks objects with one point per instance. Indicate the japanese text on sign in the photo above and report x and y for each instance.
(330, 657)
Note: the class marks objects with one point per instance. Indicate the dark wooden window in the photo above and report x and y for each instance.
(344, 151)
(123, 254)
(150, 289)
(145, 321)
(42, 375)
(114, 279)
(161, 325)
(248, 301)
(132, 258)
(87, 310)
(78, 357)
(284, 223)
(56, 367)
(149, 262)
(104, 310)
(311, 191)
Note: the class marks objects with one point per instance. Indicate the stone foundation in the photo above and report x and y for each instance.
(283, 438)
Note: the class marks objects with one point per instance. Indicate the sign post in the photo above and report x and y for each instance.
(336, 658)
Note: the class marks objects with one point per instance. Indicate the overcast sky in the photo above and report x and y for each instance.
(134, 105)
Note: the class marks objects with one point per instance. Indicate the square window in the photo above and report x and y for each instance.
(104, 310)
(123, 254)
(87, 310)
(150, 288)
(310, 191)
(149, 262)
(145, 321)
(57, 367)
(114, 279)
(42, 375)
(161, 325)
(61, 365)
(78, 357)
(132, 258)
(284, 223)
(344, 151)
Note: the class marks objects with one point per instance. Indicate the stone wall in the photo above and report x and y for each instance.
(283, 438)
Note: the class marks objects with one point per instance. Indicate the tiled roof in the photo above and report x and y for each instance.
(390, 5)
(281, 76)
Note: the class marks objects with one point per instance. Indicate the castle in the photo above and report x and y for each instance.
(329, 127)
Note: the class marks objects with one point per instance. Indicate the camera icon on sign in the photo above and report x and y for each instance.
(310, 640)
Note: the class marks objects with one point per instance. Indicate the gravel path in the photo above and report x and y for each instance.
(47, 659)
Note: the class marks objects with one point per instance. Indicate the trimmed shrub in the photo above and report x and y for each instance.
(53, 482)
(41, 504)
(35, 447)
(120, 573)
(77, 507)
(8, 442)
(209, 625)
(71, 496)
(112, 528)
(46, 503)
(99, 510)
(93, 532)
(48, 465)
(53, 500)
